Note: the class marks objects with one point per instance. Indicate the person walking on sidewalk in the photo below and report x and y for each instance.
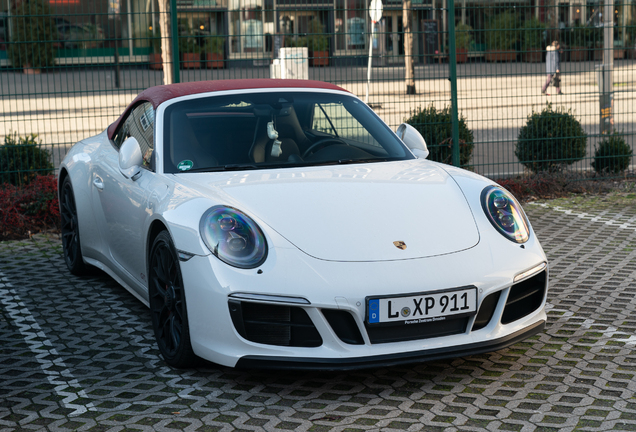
(552, 67)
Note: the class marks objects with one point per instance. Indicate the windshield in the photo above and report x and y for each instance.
(274, 130)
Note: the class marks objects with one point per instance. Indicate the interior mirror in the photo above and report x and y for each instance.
(130, 158)
(413, 140)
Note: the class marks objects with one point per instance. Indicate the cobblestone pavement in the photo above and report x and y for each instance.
(79, 354)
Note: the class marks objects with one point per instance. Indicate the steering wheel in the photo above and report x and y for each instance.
(320, 142)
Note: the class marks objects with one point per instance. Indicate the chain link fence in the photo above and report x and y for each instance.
(69, 68)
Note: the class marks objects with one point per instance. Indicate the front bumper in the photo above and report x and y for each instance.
(211, 285)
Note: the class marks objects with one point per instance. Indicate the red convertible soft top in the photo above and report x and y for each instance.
(159, 94)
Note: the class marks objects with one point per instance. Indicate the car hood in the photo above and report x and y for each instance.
(353, 212)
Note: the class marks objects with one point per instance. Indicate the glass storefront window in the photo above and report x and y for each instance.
(252, 31)
(298, 26)
(351, 24)
(594, 13)
(249, 25)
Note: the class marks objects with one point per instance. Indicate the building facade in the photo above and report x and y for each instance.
(252, 30)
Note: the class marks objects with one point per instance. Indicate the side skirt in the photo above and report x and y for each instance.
(120, 281)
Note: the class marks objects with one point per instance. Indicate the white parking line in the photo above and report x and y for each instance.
(50, 361)
(629, 224)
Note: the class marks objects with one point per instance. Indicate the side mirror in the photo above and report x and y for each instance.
(130, 158)
(413, 140)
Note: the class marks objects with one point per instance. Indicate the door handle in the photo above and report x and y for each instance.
(99, 184)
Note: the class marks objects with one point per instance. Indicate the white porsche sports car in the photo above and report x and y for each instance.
(283, 224)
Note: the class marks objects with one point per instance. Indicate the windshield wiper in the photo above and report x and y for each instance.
(236, 167)
(228, 167)
(354, 161)
(240, 167)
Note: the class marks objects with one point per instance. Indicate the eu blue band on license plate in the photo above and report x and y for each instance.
(374, 311)
(423, 307)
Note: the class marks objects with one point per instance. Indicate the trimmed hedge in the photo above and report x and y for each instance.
(613, 155)
(550, 140)
(22, 158)
(436, 128)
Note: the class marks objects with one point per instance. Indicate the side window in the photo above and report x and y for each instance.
(139, 124)
(321, 122)
(328, 117)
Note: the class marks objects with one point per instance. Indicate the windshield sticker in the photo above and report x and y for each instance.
(185, 165)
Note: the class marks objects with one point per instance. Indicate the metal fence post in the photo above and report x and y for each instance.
(607, 87)
(452, 63)
(174, 29)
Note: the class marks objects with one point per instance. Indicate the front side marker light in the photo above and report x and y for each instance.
(505, 214)
(526, 274)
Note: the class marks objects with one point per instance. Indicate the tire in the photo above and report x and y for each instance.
(168, 304)
(71, 244)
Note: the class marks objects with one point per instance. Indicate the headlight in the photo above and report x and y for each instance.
(505, 214)
(233, 237)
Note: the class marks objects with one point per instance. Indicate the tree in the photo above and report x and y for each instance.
(166, 42)
(409, 62)
(34, 34)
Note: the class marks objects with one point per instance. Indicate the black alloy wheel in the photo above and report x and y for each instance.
(71, 246)
(168, 304)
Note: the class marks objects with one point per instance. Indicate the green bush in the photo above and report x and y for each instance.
(188, 41)
(213, 44)
(436, 128)
(299, 42)
(550, 140)
(316, 40)
(613, 155)
(577, 36)
(463, 36)
(580, 36)
(22, 158)
(318, 43)
(595, 35)
(630, 31)
(188, 45)
(532, 34)
(154, 37)
(34, 33)
(502, 32)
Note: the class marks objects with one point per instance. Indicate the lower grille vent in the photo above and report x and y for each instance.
(274, 324)
(407, 332)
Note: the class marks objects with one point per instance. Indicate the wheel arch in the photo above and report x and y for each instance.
(60, 181)
(156, 226)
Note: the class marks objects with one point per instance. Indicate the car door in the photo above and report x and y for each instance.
(124, 201)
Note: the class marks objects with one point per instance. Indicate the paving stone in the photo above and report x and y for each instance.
(78, 353)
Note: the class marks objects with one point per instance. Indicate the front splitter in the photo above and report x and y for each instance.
(309, 363)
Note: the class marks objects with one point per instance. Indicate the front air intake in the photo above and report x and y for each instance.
(525, 298)
(486, 311)
(344, 325)
(274, 324)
